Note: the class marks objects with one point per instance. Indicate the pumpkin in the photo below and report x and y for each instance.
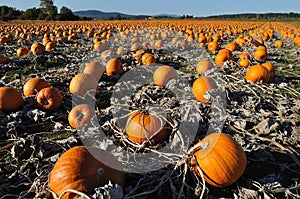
(10, 99)
(148, 59)
(260, 55)
(231, 46)
(204, 66)
(221, 159)
(120, 50)
(244, 63)
(278, 43)
(80, 115)
(49, 99)
(213, 46)
(106, 55)
(82, 83)
(141, 127)
(223, 56)
(80, 170)
(114, 66)
(138, 54)
(270, 67)
(244, 56)
(34, 85)
(159, 44)
(163, 74)
(94, 68)
(99, 46)
(201, 86)
(3, 59)
(258, 73)
(22, 51)
(49, 46)
(37, 48)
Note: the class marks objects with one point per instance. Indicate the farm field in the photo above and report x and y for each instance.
(241, 78)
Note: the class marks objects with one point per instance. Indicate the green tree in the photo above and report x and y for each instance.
(49, 9)
(65, 10)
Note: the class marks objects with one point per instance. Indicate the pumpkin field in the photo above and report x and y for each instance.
(150, 109)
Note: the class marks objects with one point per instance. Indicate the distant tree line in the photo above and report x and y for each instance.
(46, 11)
(258, 16)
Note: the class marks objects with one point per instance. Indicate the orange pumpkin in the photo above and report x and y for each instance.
(94, 68)
(244, 63)
(231, 46)
(114, 66)
(22, 51)
(260, 55)
(37, 48)
(80, 115)
(148, 59)
(270, 67)
(244, 56)
(201, 86)
(278, 44)
(83, 84)
(204, 66)
(10, 99)
(49, 46)
(49, 99)
(106, 55)
(223, 56)
(163, 74)
(80, 170)
(138, 54)
(258, 73)
(213, 46)
(141, 127)
(34, 85)
(221, 159)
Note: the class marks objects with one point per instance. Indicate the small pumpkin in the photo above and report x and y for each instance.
(10, 99)
(223, 56)
(80, 115)
(270, 67)
(49, 46)
(34, 85)
(22, 51)
(213, 46)
(163, 74)
(83, 169)
(260, 55)
(82, 83)
(244, 63)
(94, 68)
(221, 159)
(204, 66)
(138, 54)
(107, 55)
(201, 86)
(231, 46)
(258, 73)
(114, 66)
(148, 59)
(49, 99)
(37, 48)
(142, 126)
(278, 43)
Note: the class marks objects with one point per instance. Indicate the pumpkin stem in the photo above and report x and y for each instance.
(197, 147)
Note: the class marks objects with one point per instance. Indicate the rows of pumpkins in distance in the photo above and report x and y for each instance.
(88, 80)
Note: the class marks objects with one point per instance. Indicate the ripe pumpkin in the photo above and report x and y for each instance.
(204, 66)
(94, 68)
(201, 85)
(270, 67)
(213, 46)
(80, 115)
(114, 66)
(258, 73)
(37, 48)
(222, 160)
(138, 54)
(34, 85)
(278, 44)
(223, 56)
(82, 84)
(80, 170)
(148, 59)
(49, 46)
(22, 51)
(163, 74)
(10, 99)
(231, 46)
(141, 126)
(3, 59)
(244, 63)
(260, 55)
(49, 99)
(244, 56)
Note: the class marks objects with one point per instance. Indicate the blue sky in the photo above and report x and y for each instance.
(152, 7)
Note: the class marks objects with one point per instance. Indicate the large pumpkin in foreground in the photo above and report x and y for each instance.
(80, 170)
(10, 99)
(141, 126)
(222, 160)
